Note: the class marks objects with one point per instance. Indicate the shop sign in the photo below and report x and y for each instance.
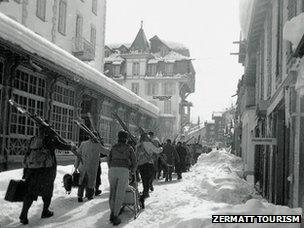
(162, 98)
(264, 141)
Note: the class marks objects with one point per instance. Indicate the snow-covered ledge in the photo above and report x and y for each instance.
(294, 31)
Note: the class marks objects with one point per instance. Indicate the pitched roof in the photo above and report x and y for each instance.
(140, 43)
(177, 47)
(115, 57)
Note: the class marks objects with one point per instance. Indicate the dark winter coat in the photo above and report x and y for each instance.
(182, 153)
(122, 155)
(171, 154)
(40, 181)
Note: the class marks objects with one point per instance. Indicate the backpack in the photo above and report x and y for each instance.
(143, 155)
(38, 156)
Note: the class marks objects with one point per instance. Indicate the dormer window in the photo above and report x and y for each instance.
(169, 68)
(135, 68)
(151, 69)
(116, 70)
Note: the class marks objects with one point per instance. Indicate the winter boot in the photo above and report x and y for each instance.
(111, 217)
(142, 201)
(47, 214)
(97, 192)
(23, 220)
(116, 221)
(80, 200)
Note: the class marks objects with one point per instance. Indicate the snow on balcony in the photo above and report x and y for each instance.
(294, 30)
(83, 49)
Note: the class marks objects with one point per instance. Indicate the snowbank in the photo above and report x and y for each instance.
(218, 176)
(294, 30)
(213, 186)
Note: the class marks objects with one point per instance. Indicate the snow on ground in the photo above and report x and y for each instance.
(213, 186)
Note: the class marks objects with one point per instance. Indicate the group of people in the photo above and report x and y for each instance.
(146, 158)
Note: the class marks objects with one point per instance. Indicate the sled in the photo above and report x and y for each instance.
(132, 197)
(131, 201)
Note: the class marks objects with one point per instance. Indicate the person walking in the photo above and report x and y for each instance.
(172, 158)
(40, 169)
(90, 150)
(145, 150)
(155, 158)
(121, 160)
(180, 167)
(98, 176)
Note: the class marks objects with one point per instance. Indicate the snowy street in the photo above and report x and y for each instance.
(213, 186)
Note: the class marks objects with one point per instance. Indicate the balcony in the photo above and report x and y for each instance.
(83, 49)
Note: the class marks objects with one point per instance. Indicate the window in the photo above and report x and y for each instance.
(167, 106)
(62, 17)
(29, 92)
(116, 70)
(152, 88)
(169, 68)
(135, 88)
(62, 118)
(93, 35)
(135, 68)
(94, 6)
(41, 7)
(152, 69)
(106, 110)
(279, 52)
(29, 83)
(105, 130)
(21, 124)
(63, 110)
(302, 5)
(64, 95)
(168, 88)
(188, 67)
(79, 22)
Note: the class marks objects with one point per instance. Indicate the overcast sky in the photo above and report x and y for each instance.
(206, 27)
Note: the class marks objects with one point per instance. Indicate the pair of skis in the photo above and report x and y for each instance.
(39, 120)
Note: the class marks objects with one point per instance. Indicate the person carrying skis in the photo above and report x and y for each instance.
(145, 150)
(90, 151)
(172, 158)
(40, 169)
(121, 160)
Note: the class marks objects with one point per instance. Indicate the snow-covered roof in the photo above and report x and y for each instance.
(17, 34)
(171, 57)
(114, 58)
(117, 45)
(174, 45)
